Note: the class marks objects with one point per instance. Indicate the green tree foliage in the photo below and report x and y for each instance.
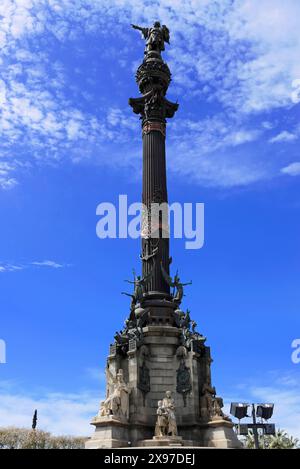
(22, 438)
(281, 440)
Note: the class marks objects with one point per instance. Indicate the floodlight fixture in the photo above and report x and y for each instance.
(239, 410)
(264, 411)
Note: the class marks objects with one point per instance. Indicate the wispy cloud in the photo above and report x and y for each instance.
(240, 57)
(212, 158)
(284, 136)
(51, 264)
(9, 267)
(292, 169)
(287, 136)
(6, 181)
(58, 413)
(70, 413)
(281, 389)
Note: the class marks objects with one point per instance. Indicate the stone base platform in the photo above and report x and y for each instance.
(110, 433)
(113, 433)
(220, 434)
(171, 441)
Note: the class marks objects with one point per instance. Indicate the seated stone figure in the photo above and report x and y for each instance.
(116, 403)
(211, 405)
(217, 411)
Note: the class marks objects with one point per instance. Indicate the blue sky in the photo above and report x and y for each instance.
(70, 141)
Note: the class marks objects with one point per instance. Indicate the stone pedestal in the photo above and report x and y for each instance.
(220, 434)
(159, 364)
(109, 433)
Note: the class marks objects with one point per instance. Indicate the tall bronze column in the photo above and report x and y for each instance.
(153, 77)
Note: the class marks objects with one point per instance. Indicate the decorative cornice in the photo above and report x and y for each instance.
(150, 126)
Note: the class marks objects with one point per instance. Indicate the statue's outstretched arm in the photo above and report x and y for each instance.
(127, 294)
(145, 31)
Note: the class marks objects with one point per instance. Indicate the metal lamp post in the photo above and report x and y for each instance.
(264, 411)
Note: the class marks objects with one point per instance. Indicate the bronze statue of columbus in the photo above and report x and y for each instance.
(155, 36)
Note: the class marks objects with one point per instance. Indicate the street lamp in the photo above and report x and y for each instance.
(264, 411)
(239, 410)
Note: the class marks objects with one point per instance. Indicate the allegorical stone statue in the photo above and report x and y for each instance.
(175, 284)
(217, 412)
(211, 404)
(168, 405)
(155, 37)
(117, 402)
(161, 428)
(207, 400)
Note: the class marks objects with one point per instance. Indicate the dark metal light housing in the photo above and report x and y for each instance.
(239, 410)
(270, 429)
(264, 411)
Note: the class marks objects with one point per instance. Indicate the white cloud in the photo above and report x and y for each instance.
(283, 392)
(70, 413)
(6, 181)
(274, 43)
(58, 413)
(292, 169)
(284, 136)
(242, 54)
(287, 406)
(9, 267)
(48, 263)
(268, 125)
(214, 157)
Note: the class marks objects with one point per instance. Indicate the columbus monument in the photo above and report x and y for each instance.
(159, 390)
